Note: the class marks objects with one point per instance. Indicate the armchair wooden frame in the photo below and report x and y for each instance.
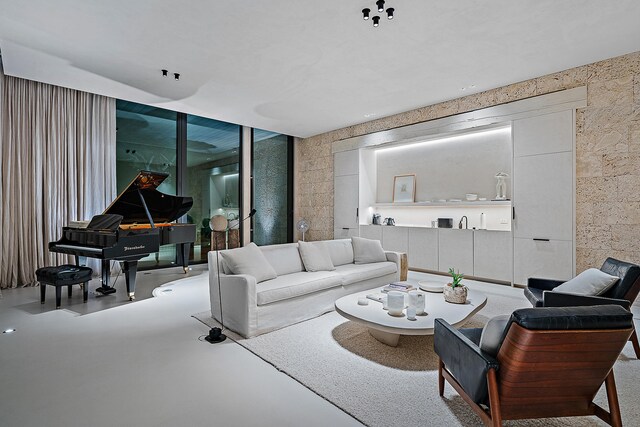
(549, 373)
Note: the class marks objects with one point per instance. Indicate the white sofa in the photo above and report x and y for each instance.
(252, 308)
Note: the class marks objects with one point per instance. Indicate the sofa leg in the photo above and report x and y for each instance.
(494, 399)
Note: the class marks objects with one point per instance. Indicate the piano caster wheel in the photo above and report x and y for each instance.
(186, 269)
(132, 297)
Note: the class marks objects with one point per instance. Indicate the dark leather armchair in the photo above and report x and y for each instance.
(551, 363)
(623, 293)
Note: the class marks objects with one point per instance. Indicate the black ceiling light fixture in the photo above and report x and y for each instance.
(176, 76)
(165, 73)
(366, 13)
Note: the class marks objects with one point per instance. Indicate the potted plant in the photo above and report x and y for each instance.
(455, 292)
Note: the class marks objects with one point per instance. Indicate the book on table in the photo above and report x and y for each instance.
(397, 286)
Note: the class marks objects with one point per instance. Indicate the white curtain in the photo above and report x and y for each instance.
(57, 149)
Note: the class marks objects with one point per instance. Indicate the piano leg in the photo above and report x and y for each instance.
(105, 289)
(183, 255)
(130, 270)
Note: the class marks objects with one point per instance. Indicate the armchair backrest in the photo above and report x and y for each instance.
(558, 357)
(628, 286)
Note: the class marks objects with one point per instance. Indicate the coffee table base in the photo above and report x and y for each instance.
(385, 337)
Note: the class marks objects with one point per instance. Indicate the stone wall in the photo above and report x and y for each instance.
(607, 151)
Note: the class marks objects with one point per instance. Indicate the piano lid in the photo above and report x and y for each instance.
(162, 207)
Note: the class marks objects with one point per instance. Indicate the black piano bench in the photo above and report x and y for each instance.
(64, 275)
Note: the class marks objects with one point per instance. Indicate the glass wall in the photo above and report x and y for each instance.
(203, 159)
(213, 171)
(272, 181)
(146, 140)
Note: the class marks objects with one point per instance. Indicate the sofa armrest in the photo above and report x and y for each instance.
(395, 257)
(561, 299)
(543, 284)
(464, 360)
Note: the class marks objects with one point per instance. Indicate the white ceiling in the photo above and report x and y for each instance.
(303, 67)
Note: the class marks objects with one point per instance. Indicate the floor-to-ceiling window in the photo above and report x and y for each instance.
(146, 140)
(213, 176)
(272, 161)
(202, 157)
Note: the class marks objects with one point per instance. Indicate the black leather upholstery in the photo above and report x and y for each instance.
(626, 288)
(560, 299)
(534, 295)
(571, 318)
(628, 274)
(464, 359)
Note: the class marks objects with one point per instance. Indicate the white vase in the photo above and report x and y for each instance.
(395, 303)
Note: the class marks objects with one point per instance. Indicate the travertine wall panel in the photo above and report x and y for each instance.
(607, 155)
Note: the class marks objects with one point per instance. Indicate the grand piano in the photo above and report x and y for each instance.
(135, 225)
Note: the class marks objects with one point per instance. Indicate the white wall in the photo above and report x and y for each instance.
(448, 168)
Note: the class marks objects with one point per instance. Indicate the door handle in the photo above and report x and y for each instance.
(540, 240)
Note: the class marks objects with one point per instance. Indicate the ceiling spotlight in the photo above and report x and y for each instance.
(8, 331)
(380, 4)
(176, 76)
(165, 73)
(365, 13)
(390, 13)
(376, 21)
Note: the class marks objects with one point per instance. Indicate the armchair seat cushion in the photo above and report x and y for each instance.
(534, 295)
(295, 285)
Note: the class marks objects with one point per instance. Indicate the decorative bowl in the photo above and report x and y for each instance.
(471, 196)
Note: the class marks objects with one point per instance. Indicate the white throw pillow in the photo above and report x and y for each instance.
(589, 282)
(315, 256)
(490, 340)
(249, 260)
(366, 251)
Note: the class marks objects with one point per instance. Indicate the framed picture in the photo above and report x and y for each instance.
(404, 188)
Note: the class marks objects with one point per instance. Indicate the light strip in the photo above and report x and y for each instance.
(506, 129)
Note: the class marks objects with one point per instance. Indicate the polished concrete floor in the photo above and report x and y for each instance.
(112, 362)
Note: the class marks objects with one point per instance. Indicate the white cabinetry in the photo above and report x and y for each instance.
(493, 255)
(373, 232)
(543, 197)
(346, 193)
(395, 238)
(455, 250)
(423, 248)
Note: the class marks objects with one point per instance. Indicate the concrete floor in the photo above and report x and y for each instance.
(112, 362)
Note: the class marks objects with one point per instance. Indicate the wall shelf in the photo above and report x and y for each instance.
(462, 204)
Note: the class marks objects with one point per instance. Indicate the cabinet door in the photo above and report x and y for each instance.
(344, 233)
(550, 133)
(395, 238)
(346, 163)
(373, 232)
(543, 196)
(423, 248)
(551, 259)
(493, 255)
(455, 251)
(345, 202)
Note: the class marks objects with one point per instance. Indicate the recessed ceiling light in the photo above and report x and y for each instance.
(8, 331)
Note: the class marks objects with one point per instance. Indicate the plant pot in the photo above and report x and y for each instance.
(457, 295)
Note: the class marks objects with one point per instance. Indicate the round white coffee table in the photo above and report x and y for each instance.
(387, 329)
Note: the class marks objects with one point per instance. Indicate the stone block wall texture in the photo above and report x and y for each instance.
(607, 155)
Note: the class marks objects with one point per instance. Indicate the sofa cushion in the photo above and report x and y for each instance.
(315, 256)
(341, 251)
(295, 285)
(284, 258)
(590, 282)
(249, 260)
(354, 273)
(367, 251)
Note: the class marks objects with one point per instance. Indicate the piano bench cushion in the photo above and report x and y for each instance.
(64, 275)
